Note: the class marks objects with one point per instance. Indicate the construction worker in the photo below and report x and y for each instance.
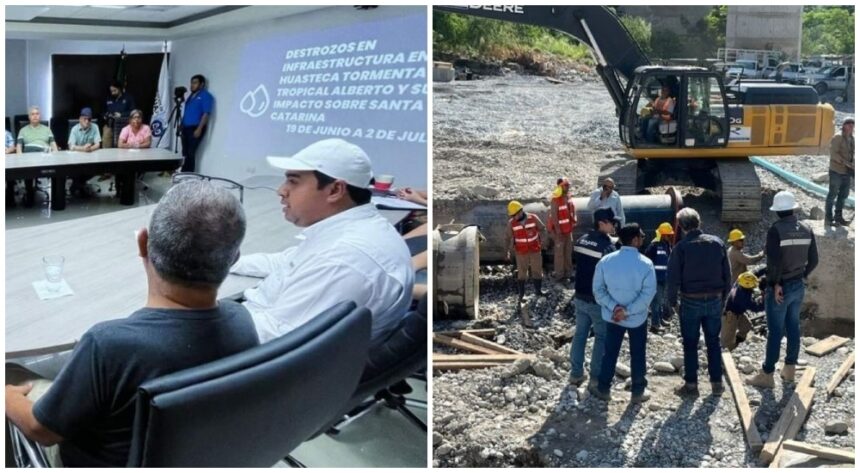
(523, 237)
(662, 110)
(791, 256)
(736, 324)
(841, 171)
(699, 270)
(738, 260)
(589, 249)
(658, 252)
(561, 222)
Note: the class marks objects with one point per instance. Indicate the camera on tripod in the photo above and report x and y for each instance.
(179, 94)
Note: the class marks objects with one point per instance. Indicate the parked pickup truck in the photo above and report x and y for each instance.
(830, 78)
(791, 72)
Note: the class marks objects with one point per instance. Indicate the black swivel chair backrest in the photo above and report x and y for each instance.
(401, 354)
(251, 409)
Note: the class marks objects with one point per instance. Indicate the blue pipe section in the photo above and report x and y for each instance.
(794, 178)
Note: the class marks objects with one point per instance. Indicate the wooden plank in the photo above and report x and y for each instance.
(840, 374)
(826, 346)
(467, 337)
(455, 343)
(449, 366)
(478, 332)
(777, 459)
(792, 417)
(819, 451)
(742, 403)
(437, 357)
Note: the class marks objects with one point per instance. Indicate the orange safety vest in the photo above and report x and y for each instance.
(662, 106)
(566, 214)
(526, 235)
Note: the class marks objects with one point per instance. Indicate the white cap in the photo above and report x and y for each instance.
(782, 201)
(333, 157)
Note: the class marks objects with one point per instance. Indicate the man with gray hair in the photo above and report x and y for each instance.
(699, 269)
(192, 239)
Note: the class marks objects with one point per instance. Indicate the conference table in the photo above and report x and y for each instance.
(58, 165)
(104, 270)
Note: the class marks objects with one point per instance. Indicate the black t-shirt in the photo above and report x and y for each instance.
(91, 403)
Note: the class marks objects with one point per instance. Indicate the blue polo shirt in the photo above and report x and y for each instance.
(198, 103)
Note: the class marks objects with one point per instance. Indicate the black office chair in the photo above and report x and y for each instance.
(253, 408)
(402, 355)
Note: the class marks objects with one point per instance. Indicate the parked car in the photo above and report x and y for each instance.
(790, 72)
(830, 78)
(743, 69)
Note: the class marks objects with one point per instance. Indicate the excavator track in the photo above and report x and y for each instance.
(740, 190)
(624, 172)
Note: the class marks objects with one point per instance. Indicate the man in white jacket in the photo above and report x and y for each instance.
(348, 251)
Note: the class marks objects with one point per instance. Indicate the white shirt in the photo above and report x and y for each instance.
(355, 255)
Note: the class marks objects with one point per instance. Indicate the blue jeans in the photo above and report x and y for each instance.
(783, 319)
(614, 337)
(704, 313)
(658, 305)
(587, 316)
(840, 185)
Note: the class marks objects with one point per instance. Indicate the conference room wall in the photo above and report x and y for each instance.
(36, 86)
(16, 82)
(218, 55)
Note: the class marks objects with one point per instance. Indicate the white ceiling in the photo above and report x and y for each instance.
(154, 22)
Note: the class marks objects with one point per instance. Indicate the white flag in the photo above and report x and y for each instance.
(162, 137)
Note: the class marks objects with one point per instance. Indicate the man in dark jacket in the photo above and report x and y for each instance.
(658, 252)
(699, 269)
(589, 249)
(791, 256)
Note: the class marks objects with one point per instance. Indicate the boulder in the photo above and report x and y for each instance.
(622, 370)
(664, 367)
(836, 427)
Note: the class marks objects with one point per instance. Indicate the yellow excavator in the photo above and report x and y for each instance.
(713, 127)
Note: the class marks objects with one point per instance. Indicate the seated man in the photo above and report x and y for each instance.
(34, 137)
(348, 251)
(193, 238)
(663, 108)
(84, 137)
(10, 143)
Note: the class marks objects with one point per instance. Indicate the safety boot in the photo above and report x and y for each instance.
(761, 380)
(787, 373)
(538, 284)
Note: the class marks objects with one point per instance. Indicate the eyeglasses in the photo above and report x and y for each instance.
(218, 181)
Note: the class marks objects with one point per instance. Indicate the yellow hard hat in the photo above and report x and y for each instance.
(665, 228)
(514, 206)
(557, 192)
(735, 235)
(747, 280)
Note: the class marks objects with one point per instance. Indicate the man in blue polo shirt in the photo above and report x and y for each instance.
(198, 108)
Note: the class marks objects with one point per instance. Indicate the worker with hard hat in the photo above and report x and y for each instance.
(736, 324)
(524, 239)
(791, 256)
(658, 252)
(841, 172)
(560, 223)
(738, 260)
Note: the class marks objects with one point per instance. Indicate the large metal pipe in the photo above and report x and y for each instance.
(490, 216)
(806, 184)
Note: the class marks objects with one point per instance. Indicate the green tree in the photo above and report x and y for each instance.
(828, 30)
(640, 30)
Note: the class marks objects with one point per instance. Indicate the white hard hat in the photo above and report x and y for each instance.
(782, 201)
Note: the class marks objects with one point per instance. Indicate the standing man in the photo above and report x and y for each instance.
(841, 171)
(561, 222)
(590, 248)
(658, 252)
(607, 198)
(119, 105)
(738, 260)
(198, 108)
(347, 252)
(699, 269)
(85, 138)
(624, 285)
(523, 237)
(791, 256)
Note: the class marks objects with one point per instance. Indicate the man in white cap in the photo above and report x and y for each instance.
(348, 251)
(791, 256)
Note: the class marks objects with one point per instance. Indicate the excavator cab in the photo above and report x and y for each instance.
(675, 107)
